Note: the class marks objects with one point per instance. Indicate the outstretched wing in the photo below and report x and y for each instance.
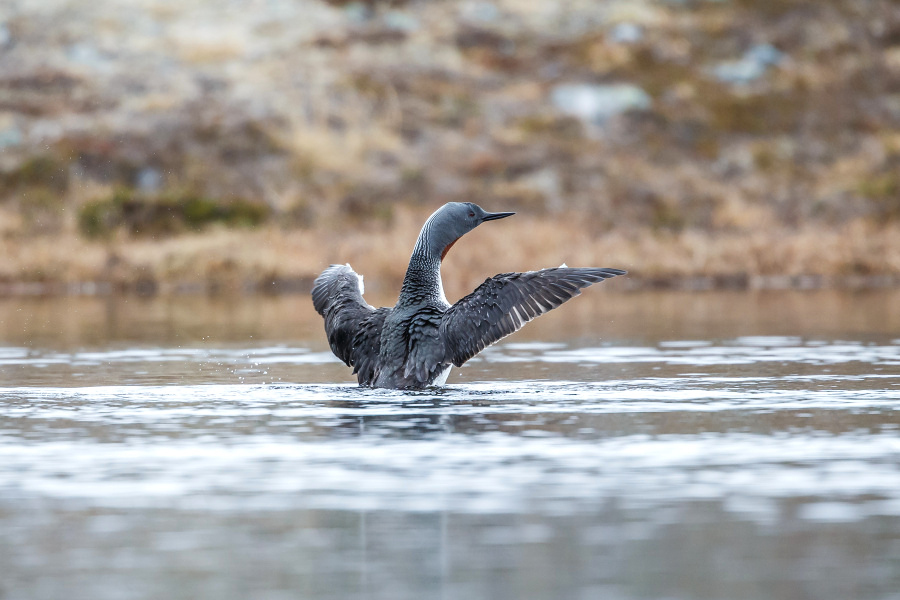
(504, 303)
(352, 326)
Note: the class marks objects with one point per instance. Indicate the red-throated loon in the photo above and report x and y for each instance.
(414, 344)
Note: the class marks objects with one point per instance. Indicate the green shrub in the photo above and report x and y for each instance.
(99, 218)
(884, 191)
(165, 215)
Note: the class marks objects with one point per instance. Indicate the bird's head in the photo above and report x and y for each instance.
(452, 221)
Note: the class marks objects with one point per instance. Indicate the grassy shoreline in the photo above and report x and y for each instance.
(271, 259)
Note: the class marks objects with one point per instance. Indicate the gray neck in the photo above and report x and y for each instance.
(422, 284)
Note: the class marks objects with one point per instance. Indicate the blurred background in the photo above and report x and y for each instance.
(160, 146)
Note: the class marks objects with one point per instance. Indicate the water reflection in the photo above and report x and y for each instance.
(736, 458)
(644, 318)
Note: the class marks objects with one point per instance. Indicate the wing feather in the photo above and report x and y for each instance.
(504, 303)
(353, 326)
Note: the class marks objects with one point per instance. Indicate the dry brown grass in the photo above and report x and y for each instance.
(222, 259)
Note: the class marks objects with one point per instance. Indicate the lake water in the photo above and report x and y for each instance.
(739, 445)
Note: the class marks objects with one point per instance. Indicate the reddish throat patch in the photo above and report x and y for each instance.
(447, 249)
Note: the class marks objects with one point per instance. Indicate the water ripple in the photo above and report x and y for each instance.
(740, 351)
(477, 447)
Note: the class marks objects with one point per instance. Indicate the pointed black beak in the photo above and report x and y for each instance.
(495, 216)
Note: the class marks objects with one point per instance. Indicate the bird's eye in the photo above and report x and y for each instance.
(471, 214)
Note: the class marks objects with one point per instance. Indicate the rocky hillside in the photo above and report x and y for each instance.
(732, 139)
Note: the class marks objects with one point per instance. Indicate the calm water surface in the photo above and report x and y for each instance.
(646, 445)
